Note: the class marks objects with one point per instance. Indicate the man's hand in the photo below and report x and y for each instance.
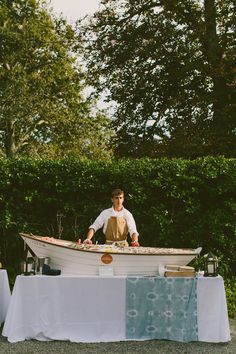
(134, 244)
(87, 241)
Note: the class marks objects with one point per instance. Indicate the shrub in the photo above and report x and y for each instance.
(175, 202)
(230, 288)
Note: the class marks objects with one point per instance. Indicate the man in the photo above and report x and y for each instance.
(116, 221)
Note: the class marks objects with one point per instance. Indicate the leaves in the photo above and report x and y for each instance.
(230, 289)
(170, 72)
(43, 111)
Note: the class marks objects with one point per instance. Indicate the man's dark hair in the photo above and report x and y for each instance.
(116, 192)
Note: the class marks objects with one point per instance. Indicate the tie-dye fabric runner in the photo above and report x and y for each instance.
(161, 308)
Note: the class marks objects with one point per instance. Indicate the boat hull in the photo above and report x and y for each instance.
(72, 260)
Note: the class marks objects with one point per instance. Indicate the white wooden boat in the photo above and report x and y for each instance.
(79, 259)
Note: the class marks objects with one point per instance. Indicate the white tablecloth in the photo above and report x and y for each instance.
(5, 295)
(92, 309)
(213, 323)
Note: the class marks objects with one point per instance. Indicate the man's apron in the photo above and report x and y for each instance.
(117, 230)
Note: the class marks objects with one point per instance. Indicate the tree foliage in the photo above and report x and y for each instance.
(43, 109)
(170, 66)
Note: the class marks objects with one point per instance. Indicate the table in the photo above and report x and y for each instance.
(5, 294)
(93, 309)
(213, 322)
(79, 309)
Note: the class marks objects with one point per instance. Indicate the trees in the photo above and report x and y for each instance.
(170, 66)
(42, 108)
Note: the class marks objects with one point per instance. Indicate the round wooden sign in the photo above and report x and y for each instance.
(106, 258)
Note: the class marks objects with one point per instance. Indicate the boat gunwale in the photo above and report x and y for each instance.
(32, 237)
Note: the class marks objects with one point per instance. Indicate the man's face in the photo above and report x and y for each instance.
(117, 201)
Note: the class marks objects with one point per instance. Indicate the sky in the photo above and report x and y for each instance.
(73, 9)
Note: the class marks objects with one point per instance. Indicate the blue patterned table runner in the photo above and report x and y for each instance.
(161, 308)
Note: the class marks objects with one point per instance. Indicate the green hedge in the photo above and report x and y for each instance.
(176, 203)
(230, 289)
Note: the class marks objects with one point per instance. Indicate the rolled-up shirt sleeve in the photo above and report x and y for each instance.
(99, 222)
(131, 223)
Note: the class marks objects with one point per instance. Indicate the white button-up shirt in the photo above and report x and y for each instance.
(103, 218)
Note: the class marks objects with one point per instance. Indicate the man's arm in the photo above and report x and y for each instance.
(132, 229)
(90, 233)
(89, 237)
(134, 237)
(98, 223)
